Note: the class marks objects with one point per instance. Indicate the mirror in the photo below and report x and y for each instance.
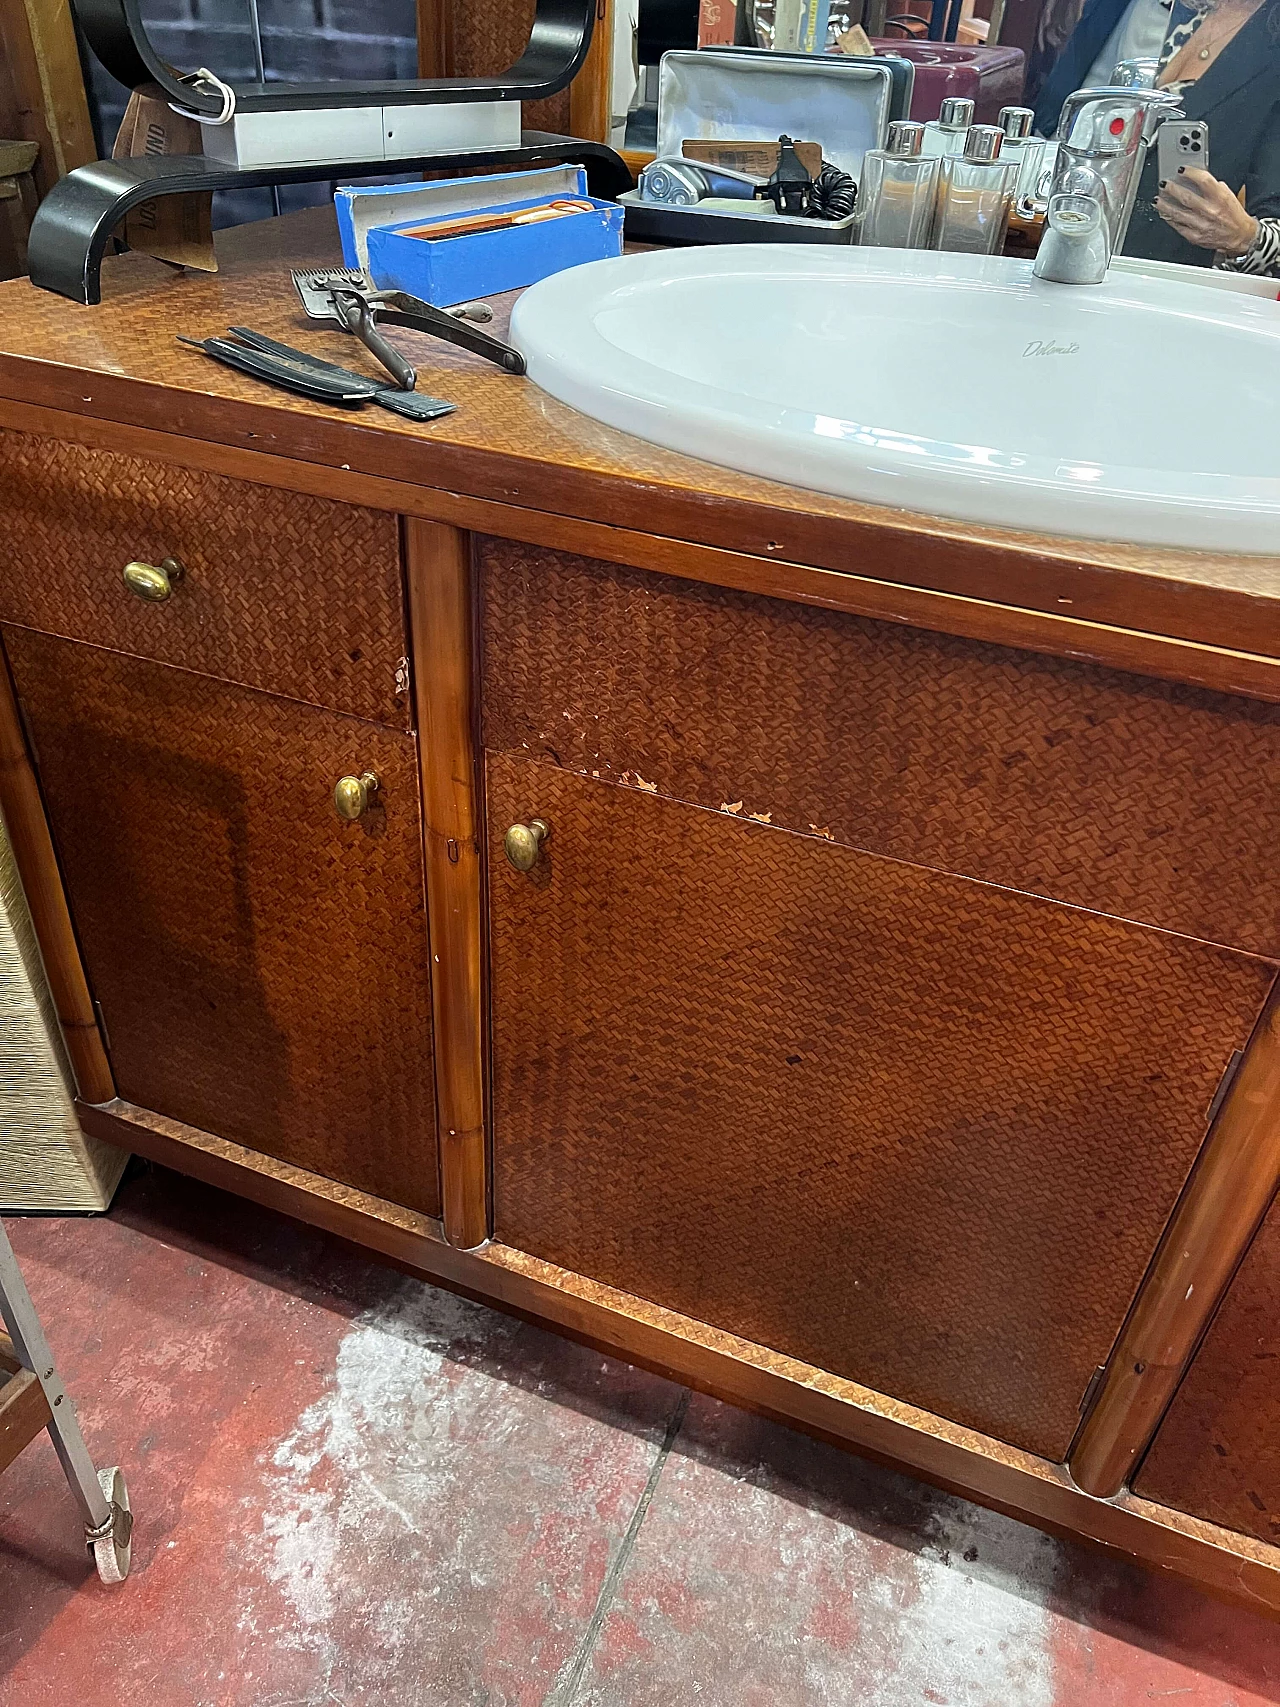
(1221, 202)
(1221, 172)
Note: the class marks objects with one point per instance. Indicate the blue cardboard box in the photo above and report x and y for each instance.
(373, 222)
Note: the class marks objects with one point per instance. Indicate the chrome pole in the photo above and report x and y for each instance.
(255, 24)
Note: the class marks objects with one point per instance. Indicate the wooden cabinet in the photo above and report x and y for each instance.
(261, 966)
(850, 1046)
(917, 1130)
(853, 1047)
(1217, 1454)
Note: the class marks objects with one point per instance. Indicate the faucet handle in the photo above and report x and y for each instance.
(1101, 122)
(1166, 105)
(1108, 122)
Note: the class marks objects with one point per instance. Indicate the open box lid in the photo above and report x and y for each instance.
(361, 207)
(741, 95)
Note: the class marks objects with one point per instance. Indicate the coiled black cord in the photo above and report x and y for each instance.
(834, 194)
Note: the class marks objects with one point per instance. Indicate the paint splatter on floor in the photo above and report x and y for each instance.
(355, 1488)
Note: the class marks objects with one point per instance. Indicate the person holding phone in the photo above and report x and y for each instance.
(1223, 60)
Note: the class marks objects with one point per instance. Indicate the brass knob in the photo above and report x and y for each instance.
(522, 842)
(351, 795)
(153, 582)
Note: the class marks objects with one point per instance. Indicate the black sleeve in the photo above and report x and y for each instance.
(1262, 182)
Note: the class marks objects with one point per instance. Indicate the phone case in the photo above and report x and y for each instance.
(1182, 143)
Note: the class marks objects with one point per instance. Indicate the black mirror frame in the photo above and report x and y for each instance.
(557, 47)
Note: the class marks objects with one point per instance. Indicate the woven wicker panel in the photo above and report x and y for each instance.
(262, 966)
(490, 38)
(1138, 798)
(917, 1130)
(296, 595)
(1217, 1454)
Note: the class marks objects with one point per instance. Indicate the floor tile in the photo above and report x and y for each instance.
(349, 1486)
(775, 1571)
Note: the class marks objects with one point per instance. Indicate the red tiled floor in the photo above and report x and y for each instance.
(351, 1487)
(775, 1571)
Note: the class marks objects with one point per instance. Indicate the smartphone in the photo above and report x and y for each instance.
(1182, 143)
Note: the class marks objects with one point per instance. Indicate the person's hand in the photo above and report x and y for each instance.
(1202, 209)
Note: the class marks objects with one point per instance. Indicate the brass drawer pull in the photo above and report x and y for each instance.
(153, 582)
(522, 842)
(352, 795)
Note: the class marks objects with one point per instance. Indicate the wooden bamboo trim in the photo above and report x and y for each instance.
(43, 62)
(972, 1465)
(37, 864)
(591, 92)
(438, 568)
(1220, 1209)
(24, 1411)
(435, 38)
(1167, 658)
(8, 1356)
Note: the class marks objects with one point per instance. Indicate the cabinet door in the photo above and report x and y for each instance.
(921, 1131)
(261, 965)
(1217, 1454)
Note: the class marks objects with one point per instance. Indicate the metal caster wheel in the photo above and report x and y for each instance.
(111, 1550)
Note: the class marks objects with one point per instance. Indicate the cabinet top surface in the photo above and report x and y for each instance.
(508, 441)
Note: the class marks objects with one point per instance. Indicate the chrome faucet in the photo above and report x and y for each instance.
(1104, 136)
(1135, 74)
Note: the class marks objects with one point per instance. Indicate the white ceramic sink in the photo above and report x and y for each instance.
(1141, 409)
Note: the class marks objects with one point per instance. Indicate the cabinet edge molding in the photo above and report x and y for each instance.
(34, 856)
(438, 574)
(1222, 1205)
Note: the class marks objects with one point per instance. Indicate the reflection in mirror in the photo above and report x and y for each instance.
(1211, 195)
(276, 41)
(288, 41)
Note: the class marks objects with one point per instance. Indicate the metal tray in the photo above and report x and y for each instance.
(745, 94)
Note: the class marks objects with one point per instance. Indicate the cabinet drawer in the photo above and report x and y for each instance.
(1135, 797)
(298, 596)
(261, 965)
(917, 1130)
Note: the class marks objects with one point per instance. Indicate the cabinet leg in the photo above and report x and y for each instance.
(1221, 1208)
(24, 818)
(438, 566)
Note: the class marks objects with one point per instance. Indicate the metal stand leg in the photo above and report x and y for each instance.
(101, 1495)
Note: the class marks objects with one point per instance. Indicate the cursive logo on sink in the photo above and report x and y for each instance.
(1047, 347)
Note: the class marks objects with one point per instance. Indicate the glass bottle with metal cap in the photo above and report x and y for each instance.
(945, 134)
(898, 190)
(975, 194)
(1019, 145)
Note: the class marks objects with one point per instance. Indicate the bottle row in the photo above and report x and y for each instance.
(950, 183)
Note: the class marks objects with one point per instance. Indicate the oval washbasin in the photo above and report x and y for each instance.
(1140, 409)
